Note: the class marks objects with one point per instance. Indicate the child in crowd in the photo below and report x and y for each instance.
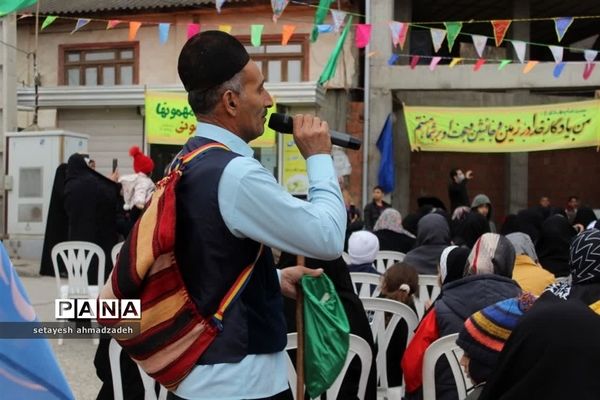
(363, 247)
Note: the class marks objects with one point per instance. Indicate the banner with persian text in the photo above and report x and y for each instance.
(504, 129)
(170, 120)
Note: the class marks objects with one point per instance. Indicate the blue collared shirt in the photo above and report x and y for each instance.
(253, 205)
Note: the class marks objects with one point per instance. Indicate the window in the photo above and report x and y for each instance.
(280, 63)
(99, 64)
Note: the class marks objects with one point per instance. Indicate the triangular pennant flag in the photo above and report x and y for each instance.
(520, 48)
(25, 16)
(503, 64)
(163, 32)
(372, 54)
(434, 62)
(558, 69)
(320, 14)
(112, 23)
(48, 20)
(398, 30)
(478, 64)
(453, 29)
(325, 28)
(403, 34)
(455, 61)
(557, 53)
(338, 19)
(393, 58)
(561, 25)
(329, 71)
(500, 28)
(256, 34)
(479, 42)
(286, 33)
(218, 5)
(81, 22)
(530, 65)
(588, 69)
(590, 55)
(225, 28)
(437, 37)
(192, 30)
(278, 6)
(133, 29)
(414, 60)
(363, 35)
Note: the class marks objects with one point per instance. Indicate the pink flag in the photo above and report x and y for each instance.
(588, 69)
(434, 62)
(363, 35)
(414, 60)
(192, 30)
(478, 64)
(112, 23)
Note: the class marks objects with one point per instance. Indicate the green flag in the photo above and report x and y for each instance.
(326, 334)
(256, 34)
(329, 70)
(452, 29)
(8, 6)
(49, 19)
(320, 15)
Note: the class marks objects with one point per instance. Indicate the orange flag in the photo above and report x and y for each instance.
(286, 33)
(133, 29)
(530, 65)
(500, 28)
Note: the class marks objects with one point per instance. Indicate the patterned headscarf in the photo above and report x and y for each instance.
(492, 254)
(391, 219)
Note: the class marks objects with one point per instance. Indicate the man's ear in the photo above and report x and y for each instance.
(230, 102)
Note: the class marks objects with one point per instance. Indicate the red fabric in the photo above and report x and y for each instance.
(141, 162)
(412, 362)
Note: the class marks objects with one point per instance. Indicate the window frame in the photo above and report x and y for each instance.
(301, 39)
(63, 65)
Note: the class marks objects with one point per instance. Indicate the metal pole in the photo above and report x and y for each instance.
(366, 118)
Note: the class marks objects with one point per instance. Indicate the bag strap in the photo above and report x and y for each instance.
(182, 160)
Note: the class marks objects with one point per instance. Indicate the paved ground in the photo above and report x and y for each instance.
(75, 356)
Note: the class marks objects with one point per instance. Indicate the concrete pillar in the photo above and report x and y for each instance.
(517, 170)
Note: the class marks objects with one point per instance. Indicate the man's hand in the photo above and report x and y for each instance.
(292, 275)
(311, 135)
(469, 174)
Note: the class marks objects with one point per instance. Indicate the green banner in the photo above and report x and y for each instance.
(170, 120)
(504, 129)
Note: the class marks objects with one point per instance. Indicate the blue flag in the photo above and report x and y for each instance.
(385, 144)
(28, 368)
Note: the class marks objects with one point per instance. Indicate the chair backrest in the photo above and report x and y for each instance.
(77, 257)
(382, 331)
(366, 284)
(358, 347)
(114, 356)
(429, 290)
(445, 346)
(387, 258)
(114, 253)
(346, 257)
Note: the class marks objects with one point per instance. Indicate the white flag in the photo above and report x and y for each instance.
(479, 42)
(557, 52)
(219, 4)
(590, 55)
(338, 19)
(520, 48)
(396, 27)
(437, 37)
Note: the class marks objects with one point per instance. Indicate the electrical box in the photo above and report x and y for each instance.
(31, 162)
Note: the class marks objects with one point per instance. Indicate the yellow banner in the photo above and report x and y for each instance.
(504, 129)
(295, 179)
(170, 120)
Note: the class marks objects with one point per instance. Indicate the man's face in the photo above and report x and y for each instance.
(253, 103)
(484, 210)
(545, 202)
(573, 203)
(377, 194)
(459, 177)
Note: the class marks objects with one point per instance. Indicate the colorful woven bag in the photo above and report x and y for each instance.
(172, 335)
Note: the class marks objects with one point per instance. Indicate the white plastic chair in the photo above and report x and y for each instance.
(77, 257)
(426, 283)
(445, 346)
(382, 334)
(346, 258)
(366, 284)
(114, 253)
(114, 355)
(387, 258)
(358, 347)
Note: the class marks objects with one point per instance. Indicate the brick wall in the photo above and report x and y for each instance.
(354, 127)
(559, 174)
(429, 176)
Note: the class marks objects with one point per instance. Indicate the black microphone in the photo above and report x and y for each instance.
(283, 123)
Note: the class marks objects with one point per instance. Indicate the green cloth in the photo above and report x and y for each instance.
(329, 71)
(326, 334)
(322, 11)
(8, 6)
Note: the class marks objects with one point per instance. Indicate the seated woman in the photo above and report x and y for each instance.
(433, 236)
(391, 234)
(363, 247)
(528, 273)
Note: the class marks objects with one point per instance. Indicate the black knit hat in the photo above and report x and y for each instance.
(209, 59)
